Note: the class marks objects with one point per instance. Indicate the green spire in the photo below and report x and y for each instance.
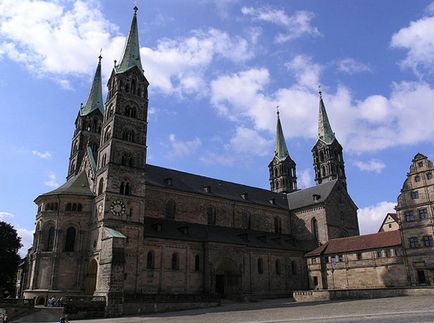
(280, 150)
(94, 101)
(131, 55)
(325, 132)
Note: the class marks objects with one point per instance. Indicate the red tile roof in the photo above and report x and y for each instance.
(355, 243)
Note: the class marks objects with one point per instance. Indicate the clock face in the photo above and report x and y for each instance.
(117, 207)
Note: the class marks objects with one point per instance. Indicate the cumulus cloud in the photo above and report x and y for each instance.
(181, 148)
(304, 179)
(52, 180)
(372, 165)
(248, 141)
(371, 217)
(49, 37)
(351, 66)
(212, 158)
(178, 66)
(297, 25)
(42, 155)
(306, 72)
(418, 40)
(374, 123)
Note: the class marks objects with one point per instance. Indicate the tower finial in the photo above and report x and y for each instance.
(100, 57)
(277, 108)
(319, 91)
(135, 7)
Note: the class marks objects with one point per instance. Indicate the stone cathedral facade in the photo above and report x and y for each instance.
(120, 226)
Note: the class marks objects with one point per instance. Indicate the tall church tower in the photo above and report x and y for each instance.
(283, 177)
(328, 161)
(122, 154)
(87, 125)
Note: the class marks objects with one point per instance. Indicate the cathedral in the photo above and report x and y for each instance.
(120, 227)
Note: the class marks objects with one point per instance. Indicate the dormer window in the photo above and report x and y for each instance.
(168, 181)
(272, 201)
(244, 196)
(316, 197)
(207, 189)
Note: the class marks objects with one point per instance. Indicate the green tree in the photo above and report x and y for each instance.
(10, 243)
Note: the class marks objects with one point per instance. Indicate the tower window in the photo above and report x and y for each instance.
(49, 241)
(260, 266)
(429, 175)
(417, 178)
(409, 216)
(423, 214)
(315, 230)
(197, 263)
(150, 260)
(125, 188)
(415, 195)
(107, 133)
(128, 135)
(100, 186)
(70, 239)
(277, 225)
(175, 261)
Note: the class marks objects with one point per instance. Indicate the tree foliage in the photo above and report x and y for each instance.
(10, 243)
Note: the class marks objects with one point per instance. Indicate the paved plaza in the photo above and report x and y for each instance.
(397, 309)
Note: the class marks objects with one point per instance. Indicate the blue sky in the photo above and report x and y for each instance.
(217, 71)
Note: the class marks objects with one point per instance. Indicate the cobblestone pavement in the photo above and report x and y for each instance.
(396, 309)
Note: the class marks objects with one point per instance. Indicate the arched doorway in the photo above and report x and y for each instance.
(92, 271)
(227, 278)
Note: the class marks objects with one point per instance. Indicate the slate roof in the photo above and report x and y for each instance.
(158, 176)
(176, 230)
(77, 185)
(280, 149)
(113, 233)
(302, 198)
(91, 158)
(356, 243)
(94, 101)
(325, 132)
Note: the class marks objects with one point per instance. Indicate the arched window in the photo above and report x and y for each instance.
(321, 156)
(74, 207)
(197, 263)
(170, 209)
(79, 207)
(125, 188)
(103, 160)
(260, 266)
(68, 207)
(277, 265)
(211, 214)
(70, 239)
(150, 260)
(315, 229)
(101, 186)
(175, 261)
(110, 112)
(128, 135)
(107, 133)
(49, 242)
(323, 171)
(133, 86)
(124, 159)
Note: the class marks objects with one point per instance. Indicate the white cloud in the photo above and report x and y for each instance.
(418, 40)
(183, 148)
(212, 158)
(178, 66)
(248, 141)
(52, 180)
(5, 214)
(49, 37)
(371, 217)
(351, 66)
(42, 155)
(373, 165)
(304, 179)
(306, 72)
(295, 26)
(26, 240)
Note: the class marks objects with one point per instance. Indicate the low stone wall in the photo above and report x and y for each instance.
(139, 307)
(336, 294)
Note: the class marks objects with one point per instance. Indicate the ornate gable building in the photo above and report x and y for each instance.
(120, 226)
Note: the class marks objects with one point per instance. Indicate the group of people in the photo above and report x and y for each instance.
(54, 302)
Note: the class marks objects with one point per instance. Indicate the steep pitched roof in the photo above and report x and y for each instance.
(356, 243)
(325, 132)
(305, 197)
(94, 101)
(394, 217)
(280, 149)
(158, 176)
(77, 185)
(91, 158)
(131, 54)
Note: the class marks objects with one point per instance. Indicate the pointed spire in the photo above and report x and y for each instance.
(280, 150)
(131, 54)
(325, 132)
(94, 101)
